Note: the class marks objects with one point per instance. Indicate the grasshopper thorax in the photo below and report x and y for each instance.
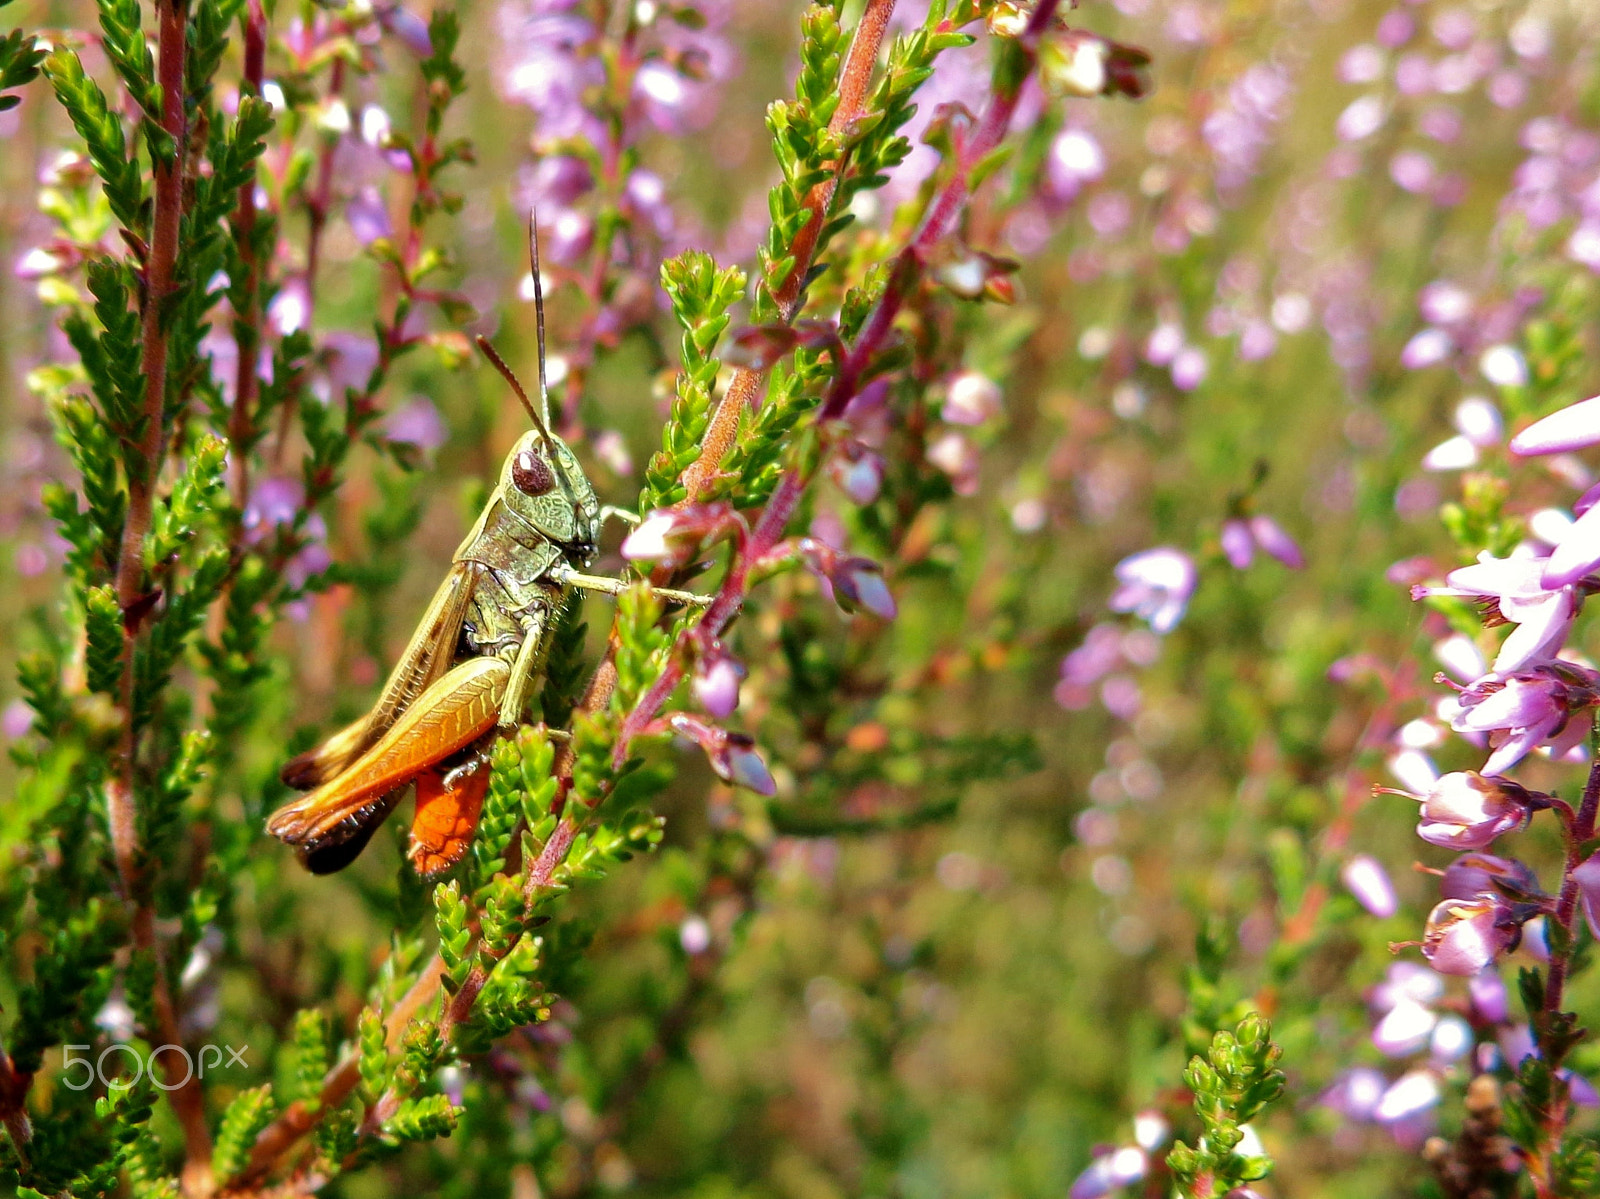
(542, 483)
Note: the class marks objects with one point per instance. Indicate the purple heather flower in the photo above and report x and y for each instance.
(1075, 159)
(1238, 546)
(1451, 1041)
(1405, 981)
(1478, 426)
(1100, 654)
(1578, 552)
(1529, 707)
(1487, 992)
(732, 755)
(1362, 118)
(1155, 585)
(1165, 341)
(673, 536)
(554, 181)
(717, 675)
(368, 216)
(1108, 1172)
(970, 399)
(1276, 543)
(741, 765)
(1406, 1106)
(1514, 590)
(1368, 881)
(1504, 366)
(694, 934)
(545, 63)
(858, 471)
(17, 719)
(418, 423)
(408, 27)
(1428, 348)
(1463, 936)
(1412, 171)
(1404, 1029)
(858, 583)
(1473, 873)
(1355, 1093)
(1465, 810)
(957, 457)
(1189, 368)
(289, 308)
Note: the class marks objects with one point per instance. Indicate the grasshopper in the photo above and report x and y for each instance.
(464, 678)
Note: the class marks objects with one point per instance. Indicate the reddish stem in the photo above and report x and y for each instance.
(938, 224)
(247, 324)
(1580, 830)
(745, 387)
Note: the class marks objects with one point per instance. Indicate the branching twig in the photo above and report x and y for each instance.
(745, 387)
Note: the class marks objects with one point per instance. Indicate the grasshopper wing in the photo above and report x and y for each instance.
(430, 653)
(449, 716)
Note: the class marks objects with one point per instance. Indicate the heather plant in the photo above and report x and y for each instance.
(1053, 407)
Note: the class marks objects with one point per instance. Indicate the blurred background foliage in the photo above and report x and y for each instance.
(957, 954)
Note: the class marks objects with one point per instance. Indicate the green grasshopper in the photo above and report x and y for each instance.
(464, 678)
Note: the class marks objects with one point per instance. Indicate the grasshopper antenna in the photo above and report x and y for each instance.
(505, 372)
(538, 309)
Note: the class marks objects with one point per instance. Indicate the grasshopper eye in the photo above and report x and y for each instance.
(531, 474)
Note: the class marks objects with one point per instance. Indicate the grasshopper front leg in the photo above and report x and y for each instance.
(566, 576)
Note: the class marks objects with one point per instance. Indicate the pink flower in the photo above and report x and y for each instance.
(1465, 810)
(1367, 880)
(1574, 427)
(1355, 1093)
(1464, 935)
(1109, 1172)
(858, 471)
(1237, 544)
(971, 399)
(1473, 873)
(1478, 427)
(1578, 552)
(1527, 708)
(1155, 586)
(1513, 590)
(1276, 543)
(717, 675)
(673, 536)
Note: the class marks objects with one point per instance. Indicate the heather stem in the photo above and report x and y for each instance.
(746, 384)
(1579, 831)
(159, 278)
(247, 323)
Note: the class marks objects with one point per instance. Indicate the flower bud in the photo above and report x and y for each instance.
(1238, 546)
(673, 536)
(858, 471)
(858, 584)
(717, 675)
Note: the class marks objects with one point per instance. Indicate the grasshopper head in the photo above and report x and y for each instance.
(543, 484)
